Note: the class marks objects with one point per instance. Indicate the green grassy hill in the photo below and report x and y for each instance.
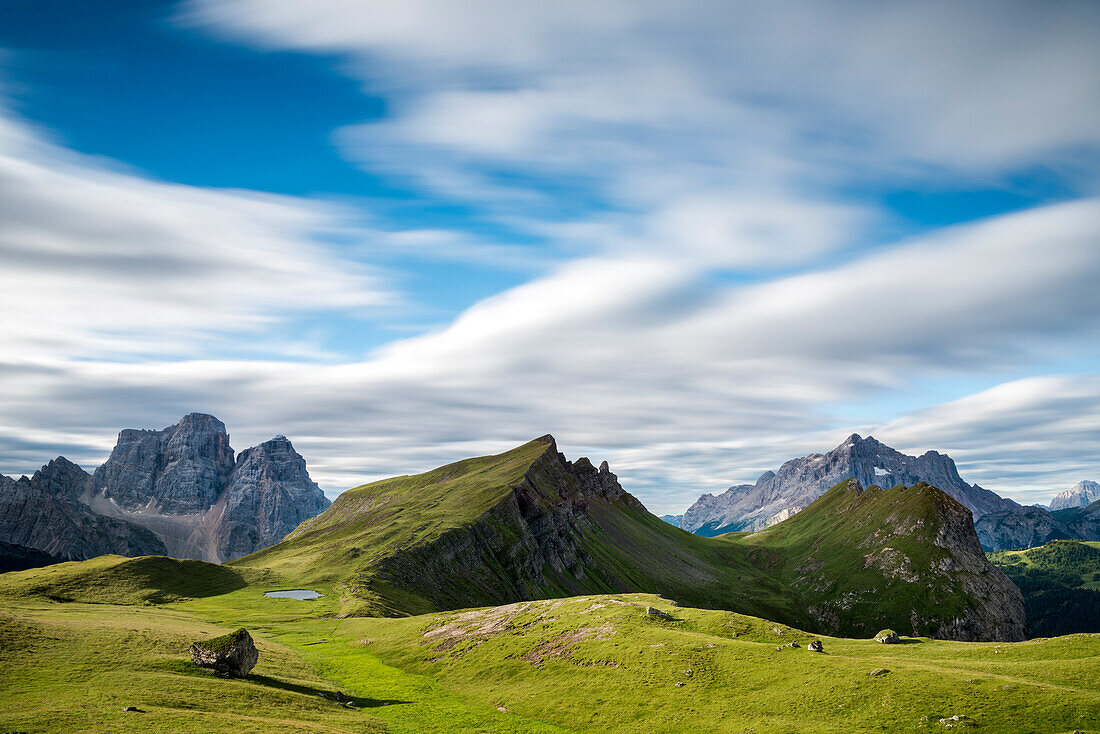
(1060, 582)
(595, 663)
(528, 524)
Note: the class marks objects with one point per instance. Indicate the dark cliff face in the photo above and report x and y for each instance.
(531, 545)
(44, 513)
(778, 495)
(269, 493)
(179, 470)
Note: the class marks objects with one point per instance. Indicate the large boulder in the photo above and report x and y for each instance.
(888, 637)
(232, 655)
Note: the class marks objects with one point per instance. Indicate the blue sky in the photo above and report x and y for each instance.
(692, 239)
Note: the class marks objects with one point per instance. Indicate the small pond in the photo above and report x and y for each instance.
(299, 594)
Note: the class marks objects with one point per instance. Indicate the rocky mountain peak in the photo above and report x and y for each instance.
(798, 482)
(61, 477)
(178, 470)
(1081, 494)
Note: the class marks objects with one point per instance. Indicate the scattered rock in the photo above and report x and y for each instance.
(233, 655)
(792, 643)
(655, 612)
(815, 646)
(888, 637)
(878, 671)
(130, 708)
(341, 697)
(777, 631)
(502, 710)
(679, 684)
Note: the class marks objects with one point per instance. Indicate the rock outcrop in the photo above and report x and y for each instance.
(175, 491)
(44, 513)
(233, 655)
(778, 495)
(269, 493)
(1081, 494)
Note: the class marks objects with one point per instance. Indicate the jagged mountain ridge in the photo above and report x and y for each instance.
(1081, 494)
(530, 524)
(177, 491)
(1031, 527)
(780, 494)
(43, 513)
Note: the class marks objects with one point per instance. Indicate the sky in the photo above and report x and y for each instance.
(694, 239)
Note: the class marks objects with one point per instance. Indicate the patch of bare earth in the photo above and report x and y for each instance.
(563, 646)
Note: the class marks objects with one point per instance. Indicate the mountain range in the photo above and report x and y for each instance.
(780, 494)
(530, 524)
(178, 491)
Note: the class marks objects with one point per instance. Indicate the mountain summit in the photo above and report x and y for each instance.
(1081, 494)
(530, 524)
(780, 494)
(177, 491)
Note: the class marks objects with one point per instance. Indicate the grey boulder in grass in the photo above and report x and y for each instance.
(233, 655)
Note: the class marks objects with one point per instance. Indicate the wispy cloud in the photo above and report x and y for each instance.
(714, 274)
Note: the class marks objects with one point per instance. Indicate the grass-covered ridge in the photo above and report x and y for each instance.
(529, 524)
(120, 580)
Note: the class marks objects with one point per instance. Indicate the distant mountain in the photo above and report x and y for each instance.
(1081, 494)
(44, 513)
(530, 524)
(673, 520)
(177, 491)
(1031, 527)
(778, 495)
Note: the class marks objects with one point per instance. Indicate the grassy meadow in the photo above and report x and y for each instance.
(594, 663)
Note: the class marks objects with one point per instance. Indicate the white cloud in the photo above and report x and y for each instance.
(99, 262)
(682, 387)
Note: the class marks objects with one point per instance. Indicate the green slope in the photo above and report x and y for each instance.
(1060, 582)
(528, 524)
(596, 663)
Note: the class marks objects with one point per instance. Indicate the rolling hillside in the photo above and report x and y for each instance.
(529, 524)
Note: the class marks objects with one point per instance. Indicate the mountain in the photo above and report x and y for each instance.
(673, 520)
(780, 494)
(177, 491)
(44, 514)
(530, 524)
(1081, 494)
(1030, 527)
(1060, 582)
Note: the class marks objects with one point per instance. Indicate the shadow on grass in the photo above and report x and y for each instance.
(282, 685)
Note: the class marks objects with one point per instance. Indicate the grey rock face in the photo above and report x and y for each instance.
(673, 520)
(1081, 494)
(233, 655)
(777, 495)
(269, 493)
(176, 491)
(44, 514)
(997, 612)
(176, 471)
(1030, 527)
